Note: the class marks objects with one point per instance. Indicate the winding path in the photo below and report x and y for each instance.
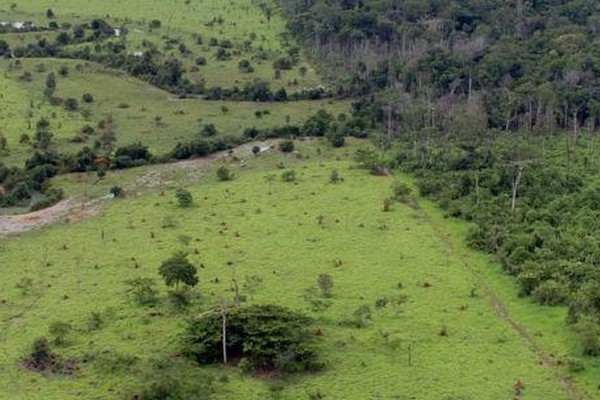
(72, 210)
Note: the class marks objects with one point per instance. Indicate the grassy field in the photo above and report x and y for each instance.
(254, 37)
(270, 234)
(133, 106)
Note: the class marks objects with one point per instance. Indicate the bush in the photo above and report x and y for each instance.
(334, 177)
(135, 152)
(283, 63)
(155, 24)
(60, 331)
(87, 98)
(325, 283)
(222, 54)
(71, 104)
(209, 130)
(143, 291)
(42, 359)
(286, 146)
(51, 197)
(263, 337)
(117, 191)
(245, 66)
(201, 61)
(589, 337)
(550, 293)
(224, 174)
(184, 198)
(336, 139)
(288, 176)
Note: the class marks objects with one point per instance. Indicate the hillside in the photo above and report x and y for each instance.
(256, 199)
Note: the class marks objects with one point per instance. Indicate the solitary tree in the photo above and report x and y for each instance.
(43, 135)
(178, 270)
(50, 85)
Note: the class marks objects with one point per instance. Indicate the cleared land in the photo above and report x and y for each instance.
(277, 238)
(134, 107)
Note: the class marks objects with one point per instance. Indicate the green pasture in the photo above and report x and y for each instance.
(275, 238)
(240, 21)
(133, 105)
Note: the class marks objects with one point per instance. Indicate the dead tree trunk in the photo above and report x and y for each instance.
(515, 188)
(224, 330)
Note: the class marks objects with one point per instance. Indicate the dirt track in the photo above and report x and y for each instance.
(72, 211)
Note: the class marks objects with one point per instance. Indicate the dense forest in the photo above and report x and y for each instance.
(445, 65)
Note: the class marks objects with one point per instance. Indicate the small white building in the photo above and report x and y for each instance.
(18, 25)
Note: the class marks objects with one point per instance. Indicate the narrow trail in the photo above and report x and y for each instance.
(74, 210)
(502, 312)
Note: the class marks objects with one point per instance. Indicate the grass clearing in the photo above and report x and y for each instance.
(134, 107)
(255, 37)
(278, 243)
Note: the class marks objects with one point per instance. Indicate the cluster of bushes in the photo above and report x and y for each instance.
(21, 184)
(152, 65)
(259, 338)
(260, 91)
(321, 124)
(167, 74)
(203, 147)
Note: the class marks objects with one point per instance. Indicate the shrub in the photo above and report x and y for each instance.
(209, 130)
(550, 293)
(245, 66)
(224, 174)
(325, 283)
(288, 176)
(71, 104)
(201, 60)
(51, 197)
(42, 359)
(264, 337)
(60, 331)
(87, 98)
(117, 191)
(336, 139)
(142, 291)
(95, 321)
(155, 24)
(63, 71)
(222, 54)
(589, 338)
(135, 152)
(400, 190)
(283, 63)
(184, 198)
(286, 146)
(334, 177)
